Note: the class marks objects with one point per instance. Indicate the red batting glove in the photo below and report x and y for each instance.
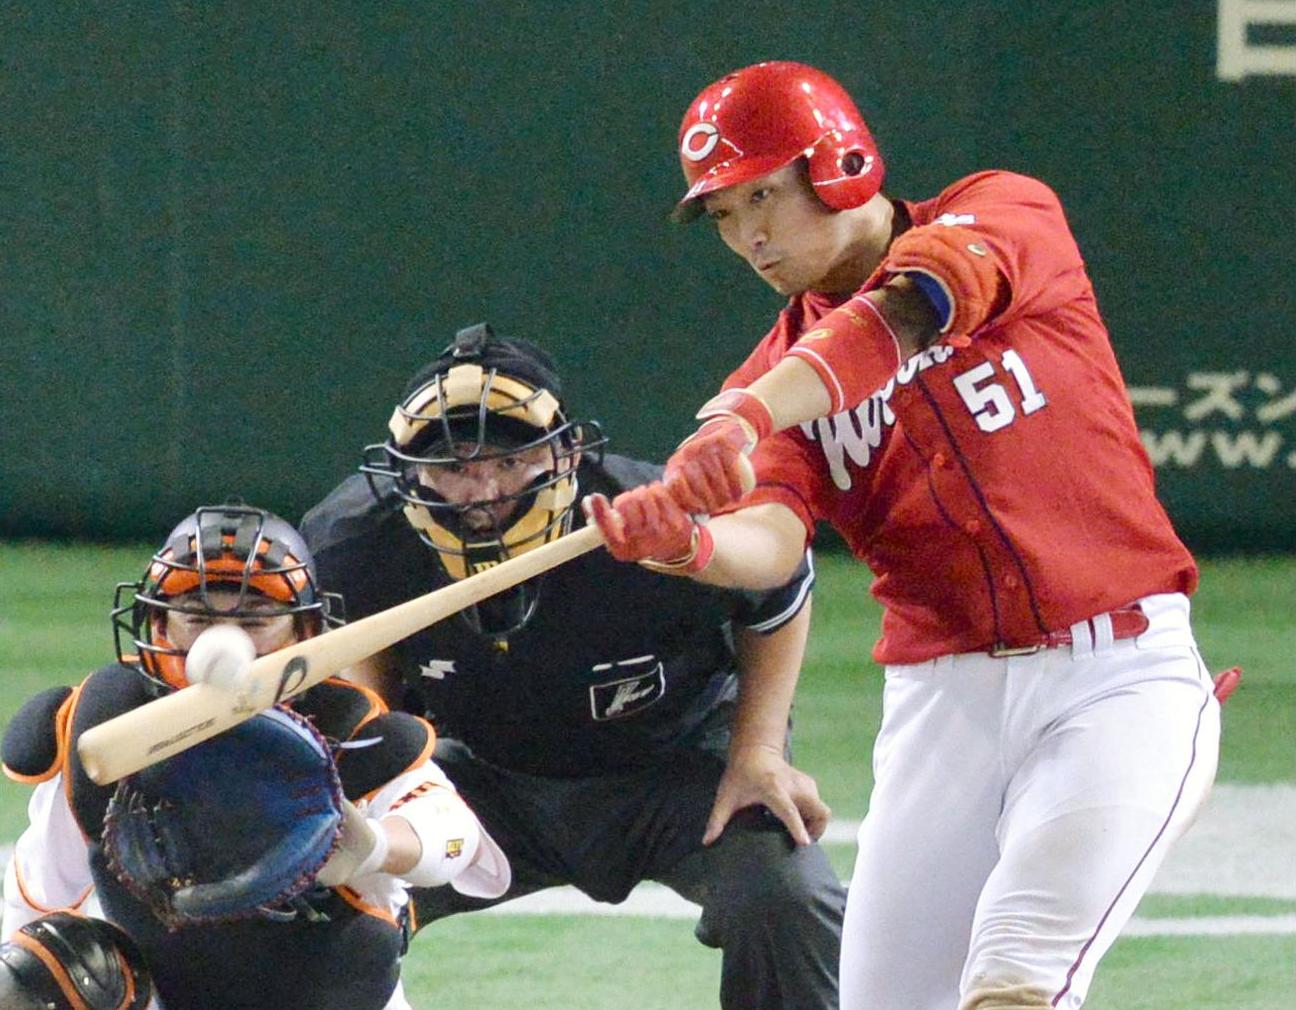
(645, 524)
(710, 469)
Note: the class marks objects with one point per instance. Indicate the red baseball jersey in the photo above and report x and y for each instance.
(997, 490)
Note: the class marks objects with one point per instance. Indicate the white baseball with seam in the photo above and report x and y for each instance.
(220, 656)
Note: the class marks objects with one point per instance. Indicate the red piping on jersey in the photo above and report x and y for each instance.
(422, 789)
(1192, 760)
(985, 508)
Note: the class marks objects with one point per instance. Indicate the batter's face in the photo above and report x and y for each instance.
(263, 619)
(488, 484)
(786, 234)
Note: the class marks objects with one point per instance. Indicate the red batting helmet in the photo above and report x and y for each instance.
(756, 120)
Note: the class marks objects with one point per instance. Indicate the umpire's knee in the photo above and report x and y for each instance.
(761, 881)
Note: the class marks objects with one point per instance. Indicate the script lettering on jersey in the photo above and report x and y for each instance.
(859, 432)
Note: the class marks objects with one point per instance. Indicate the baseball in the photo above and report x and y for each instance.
(220, 656)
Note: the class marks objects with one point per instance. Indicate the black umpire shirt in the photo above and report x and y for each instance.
(617, 667)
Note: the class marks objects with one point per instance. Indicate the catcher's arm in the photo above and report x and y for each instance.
(171, 724)
(417, 828)
(367, 845)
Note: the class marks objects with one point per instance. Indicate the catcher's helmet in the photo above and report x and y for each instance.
(65, 961)
(485, 398)
(230, 547)
(757, 120)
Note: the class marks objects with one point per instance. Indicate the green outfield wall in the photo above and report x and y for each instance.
(230, 232)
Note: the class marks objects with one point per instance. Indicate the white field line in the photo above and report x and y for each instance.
(1243, 845)
(659, 902)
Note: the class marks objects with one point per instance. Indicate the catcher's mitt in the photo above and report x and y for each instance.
(233, 827)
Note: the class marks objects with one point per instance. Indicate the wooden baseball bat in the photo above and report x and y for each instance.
(177, 721)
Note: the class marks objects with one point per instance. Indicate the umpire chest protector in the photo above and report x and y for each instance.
(617, 666)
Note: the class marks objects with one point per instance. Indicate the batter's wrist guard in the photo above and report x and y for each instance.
(959, 263)
(698, 557)
(745, 407)
(853, 350)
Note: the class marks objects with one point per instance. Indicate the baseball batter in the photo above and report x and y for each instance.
(941, 388)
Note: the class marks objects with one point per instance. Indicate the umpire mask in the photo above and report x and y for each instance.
(484, 457)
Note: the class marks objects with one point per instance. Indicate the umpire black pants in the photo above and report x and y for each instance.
(773, 908)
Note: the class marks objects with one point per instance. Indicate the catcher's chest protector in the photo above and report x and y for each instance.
(106, 693)
(348, 958)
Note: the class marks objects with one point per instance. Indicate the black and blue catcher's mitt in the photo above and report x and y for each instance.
(236, 826)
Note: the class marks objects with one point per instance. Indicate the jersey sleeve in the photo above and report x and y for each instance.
(50, 865)
(1021, 221)
(785, 475)
(768, 611)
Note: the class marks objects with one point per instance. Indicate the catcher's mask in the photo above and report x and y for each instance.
(67, 961)
(251, 554)
(492, 403)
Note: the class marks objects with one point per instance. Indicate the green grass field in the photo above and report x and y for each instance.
(54, 628)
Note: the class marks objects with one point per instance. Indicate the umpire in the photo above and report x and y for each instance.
(585, 715)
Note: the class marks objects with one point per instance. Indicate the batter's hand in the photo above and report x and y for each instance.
(759, 775)
(645, 524)
(710, 469)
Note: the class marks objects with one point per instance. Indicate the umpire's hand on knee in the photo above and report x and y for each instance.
(759, 775)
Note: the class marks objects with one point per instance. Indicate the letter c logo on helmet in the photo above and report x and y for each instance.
(764, 117)
(698, 141)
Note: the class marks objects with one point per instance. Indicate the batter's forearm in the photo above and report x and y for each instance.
(758, 547)
(849, 355)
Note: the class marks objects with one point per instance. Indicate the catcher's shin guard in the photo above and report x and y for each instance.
(64, 961)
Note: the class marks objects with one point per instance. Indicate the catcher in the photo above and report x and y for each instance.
(269, 866)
